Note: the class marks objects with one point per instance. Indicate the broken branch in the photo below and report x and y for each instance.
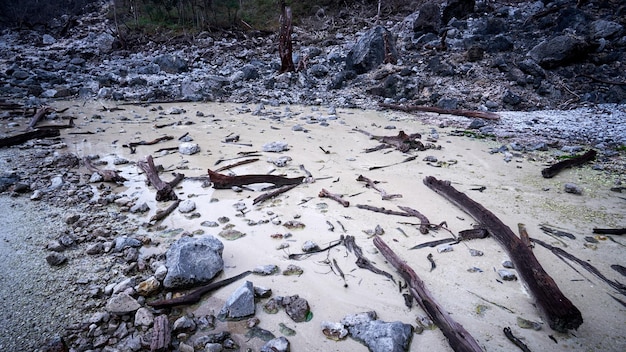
(196, 295)
(268, 195)
(336, 197)
(459, 338)
(372, 184)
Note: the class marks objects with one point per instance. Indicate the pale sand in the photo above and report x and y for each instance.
(515, 192)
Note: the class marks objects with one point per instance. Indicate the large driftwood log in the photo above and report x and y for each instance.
(553, 170)
(221, 181)
(458, 337)
(559, 311)
(467, 113)
(26, 136)
(165, 190)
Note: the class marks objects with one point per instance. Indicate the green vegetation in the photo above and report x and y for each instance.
(199, 15)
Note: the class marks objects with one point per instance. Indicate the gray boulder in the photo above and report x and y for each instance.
(279, 344)
(605, 29)
(171, 63)
(429, 19)
(375, 47)
(559, 50)
(377, 335)
(240, 304)
(193, 261)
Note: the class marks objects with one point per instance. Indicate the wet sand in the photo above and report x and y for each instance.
(514, 191)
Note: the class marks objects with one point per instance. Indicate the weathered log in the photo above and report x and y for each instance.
(26, 136)
(324, 193)
(197, 294)
(107, 175)
(459, 338)
(553, 170)
(467, 113)
(161, 334)
(165, 190)
(268, 195)
(221, 181)
(559, 311)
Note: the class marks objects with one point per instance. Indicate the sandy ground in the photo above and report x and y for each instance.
(515, 192)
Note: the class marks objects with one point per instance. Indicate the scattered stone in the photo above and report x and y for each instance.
(240, 304)
(572, 188)
(193, 261)
(56, 259)
(445, 248)
(188, 148)
(506, 275)
(297, 308)
(187, 206)
(144, 317)
(275, 147)
(334, 331)
(279, 344)
(378, 335)
(122, 303)
(293, 270)
(148, 286)
(310, 246)
(375, 47)
(269, 269)
(184, 324)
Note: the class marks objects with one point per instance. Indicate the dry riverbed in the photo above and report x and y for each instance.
(328, 145)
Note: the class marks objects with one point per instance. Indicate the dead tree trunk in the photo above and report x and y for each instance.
(458, 337)
(559, 311)
(285, 48)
